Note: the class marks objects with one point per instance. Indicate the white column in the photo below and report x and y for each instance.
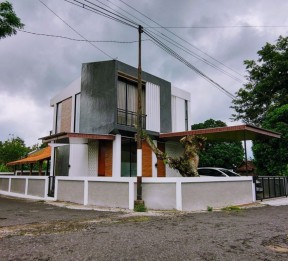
(85, 192)
(139, 162)
(131, 194)
(179, 195)
(116, 160)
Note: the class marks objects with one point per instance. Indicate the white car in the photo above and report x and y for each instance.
(220, 172)
(217, 172)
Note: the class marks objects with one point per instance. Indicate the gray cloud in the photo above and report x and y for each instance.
(35, 68)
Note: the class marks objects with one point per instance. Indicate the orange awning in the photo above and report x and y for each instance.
(34, 157)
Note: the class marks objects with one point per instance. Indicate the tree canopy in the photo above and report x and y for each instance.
(9, 22)
(219, 154)
(272, 155)
(263, 102)
(266, 88)
(11, 150)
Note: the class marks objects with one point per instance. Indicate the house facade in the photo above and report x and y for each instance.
(94, 122)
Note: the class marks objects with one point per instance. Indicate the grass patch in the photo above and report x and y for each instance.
(140, 206)
(209, 208)
(231, 208)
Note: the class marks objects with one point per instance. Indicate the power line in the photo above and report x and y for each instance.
(189, 65)
(80, 40)
(220, 26)
(160, 26)
(104, 13)
(183, 48)
(75, 30)
(161, 45)
(175, 43)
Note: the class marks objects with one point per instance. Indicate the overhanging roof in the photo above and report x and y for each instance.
(231, 133)
(65, 137)
(39, 155)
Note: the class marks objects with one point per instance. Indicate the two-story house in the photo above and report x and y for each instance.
(95, 116)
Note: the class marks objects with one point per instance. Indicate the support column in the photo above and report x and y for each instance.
(116, 161)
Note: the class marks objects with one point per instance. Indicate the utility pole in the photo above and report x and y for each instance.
(139, 123)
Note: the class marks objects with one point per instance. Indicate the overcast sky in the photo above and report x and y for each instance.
(34, 68)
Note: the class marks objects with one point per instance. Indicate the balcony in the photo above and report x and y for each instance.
(129, 118)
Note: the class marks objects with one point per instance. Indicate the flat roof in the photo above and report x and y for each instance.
(229, 133)
(64, 137)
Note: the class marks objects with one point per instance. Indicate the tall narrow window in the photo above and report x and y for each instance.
(186, 115)
(77, 113)
(58, 117)
(127, 103)
(128, 158)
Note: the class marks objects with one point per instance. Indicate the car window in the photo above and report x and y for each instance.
(230, 173)
(210, 172)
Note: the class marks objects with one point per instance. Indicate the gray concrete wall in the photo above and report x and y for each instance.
(98, 97)
(71, 190)
(159, 195)
(4, 184)
(36, 187)
(98, 105)
(108, 194)
(18, 186)
(197, 196)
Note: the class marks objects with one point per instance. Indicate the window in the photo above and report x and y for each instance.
(77, 113)
(58, 117)
(127, 103)
(186, 115)
(128, 158)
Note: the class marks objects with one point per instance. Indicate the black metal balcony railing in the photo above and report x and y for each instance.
(129, 118)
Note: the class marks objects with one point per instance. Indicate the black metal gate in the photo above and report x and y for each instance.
(270, 187)
(51, 186)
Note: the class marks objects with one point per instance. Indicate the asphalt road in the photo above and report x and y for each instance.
(39, 231)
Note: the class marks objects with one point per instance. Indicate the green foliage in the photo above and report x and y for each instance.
(218, 153)
(9, 22)
(263, 102)
(272, 155)
(139, 207)
(231, 208)
(209, 208)
(3, 168)
(12, 149)
(266, 88)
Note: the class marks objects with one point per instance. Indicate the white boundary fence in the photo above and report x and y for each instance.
(187, 194)
(24, 186)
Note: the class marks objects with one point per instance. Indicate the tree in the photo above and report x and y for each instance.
(12, 149)
(225, 154)
(266, 88)
(262, 101)
(187, 163)
(272, 155)
(9, 22)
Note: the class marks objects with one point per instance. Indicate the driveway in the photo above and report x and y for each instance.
(40, 231)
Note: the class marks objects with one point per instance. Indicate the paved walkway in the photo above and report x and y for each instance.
(275, 201)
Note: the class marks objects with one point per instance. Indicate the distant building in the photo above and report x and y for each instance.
(249, 170)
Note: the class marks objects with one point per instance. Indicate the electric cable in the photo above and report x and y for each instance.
(181, 38)
(80, 40)
(75, 30)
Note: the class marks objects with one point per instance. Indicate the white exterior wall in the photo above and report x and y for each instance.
(152, 107)
(78, 160)
(70, 91)
(178, 98)
(173, 149)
